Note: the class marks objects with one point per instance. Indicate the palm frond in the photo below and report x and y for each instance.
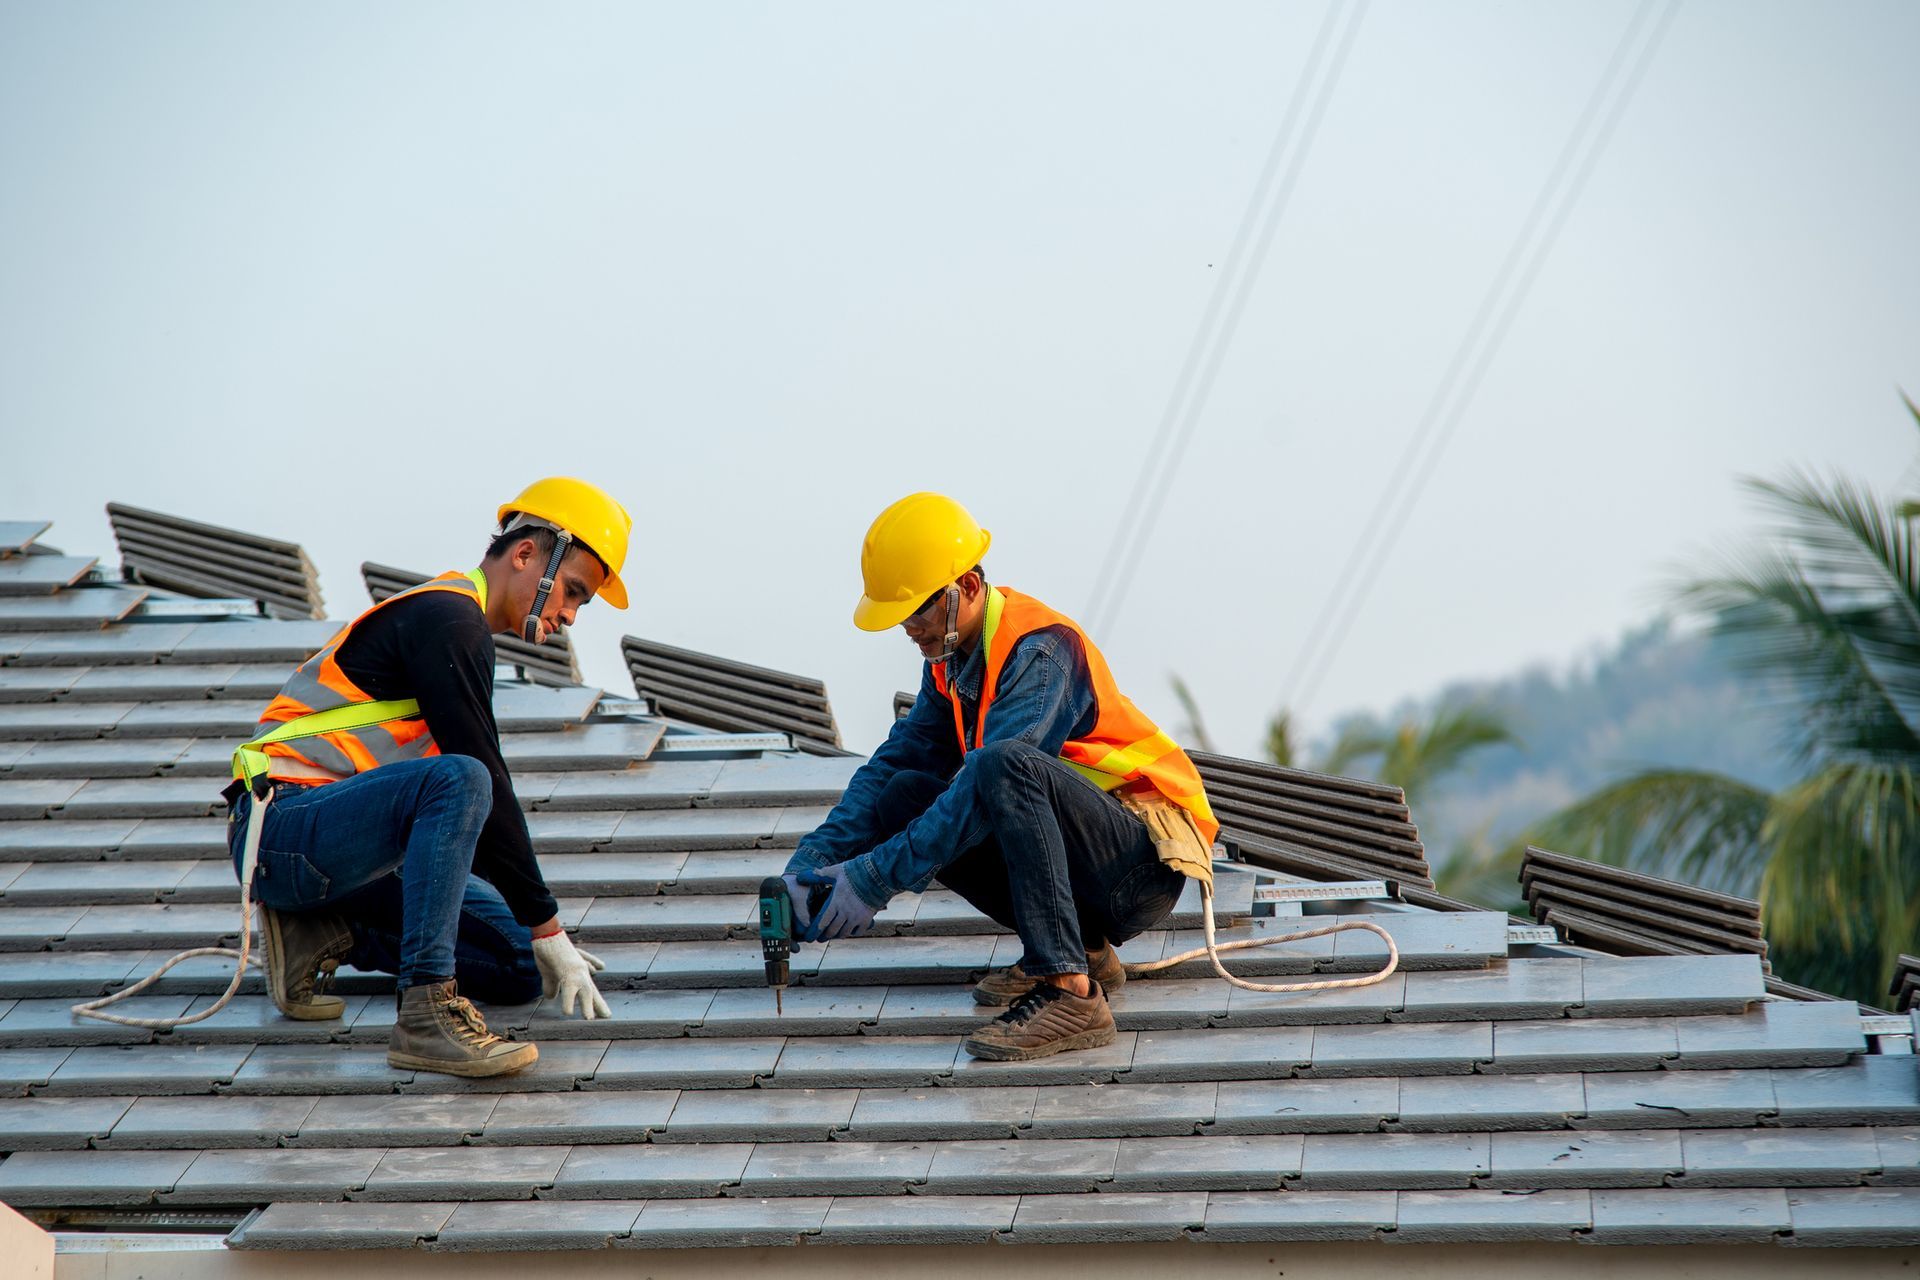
(1196, 729)
(1356, 742)
(1845, 870)
(1684, 824)
(1280, 746)
(1452, 735)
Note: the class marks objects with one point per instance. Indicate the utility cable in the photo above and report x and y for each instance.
(1479, 345)
(1211, 340)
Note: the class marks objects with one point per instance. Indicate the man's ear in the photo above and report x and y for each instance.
(972, 585)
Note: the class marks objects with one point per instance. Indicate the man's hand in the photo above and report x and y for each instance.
(799, 894)
(845, 914)
(567, 972)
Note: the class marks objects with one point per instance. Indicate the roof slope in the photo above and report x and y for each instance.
(1486, 1092)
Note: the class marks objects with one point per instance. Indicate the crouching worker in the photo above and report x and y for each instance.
(390, 838)
(1022, 779)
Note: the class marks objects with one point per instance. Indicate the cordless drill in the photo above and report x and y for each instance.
(777, 932)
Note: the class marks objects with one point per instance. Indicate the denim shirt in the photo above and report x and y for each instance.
(1044, 696)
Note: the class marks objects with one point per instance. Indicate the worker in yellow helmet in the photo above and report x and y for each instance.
(388, 835)
(1022, 779)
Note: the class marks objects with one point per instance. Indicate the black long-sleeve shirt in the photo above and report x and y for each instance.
(435, 647)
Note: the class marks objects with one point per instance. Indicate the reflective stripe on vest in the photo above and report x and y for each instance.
(341, 729)
(1123, 746)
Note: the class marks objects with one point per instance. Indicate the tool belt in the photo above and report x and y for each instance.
(1175, 835)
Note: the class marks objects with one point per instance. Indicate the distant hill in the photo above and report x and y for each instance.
(1657, 697)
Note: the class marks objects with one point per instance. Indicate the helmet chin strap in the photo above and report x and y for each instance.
(533, 630)
(951, 644)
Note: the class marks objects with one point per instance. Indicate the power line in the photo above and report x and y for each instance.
(1211, 340)
(1478, 347)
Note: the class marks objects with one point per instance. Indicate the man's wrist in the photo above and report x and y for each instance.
(547, 930)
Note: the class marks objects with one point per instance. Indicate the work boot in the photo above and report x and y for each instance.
(1046, 1020)
(440, 1030)
(304, 948)
(1004, 986)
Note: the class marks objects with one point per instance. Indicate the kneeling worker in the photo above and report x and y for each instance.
(1022, 779)
(391, 838)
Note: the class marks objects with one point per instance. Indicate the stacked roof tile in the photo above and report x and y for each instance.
(1490, 1090)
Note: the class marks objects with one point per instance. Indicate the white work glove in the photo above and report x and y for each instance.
(567, 971)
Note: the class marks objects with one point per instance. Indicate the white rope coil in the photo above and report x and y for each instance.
(241, 956)
(1213, 949)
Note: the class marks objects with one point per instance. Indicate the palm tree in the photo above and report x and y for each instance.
(1411, 755)
(1826, 617)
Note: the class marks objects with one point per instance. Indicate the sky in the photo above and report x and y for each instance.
(353, 275)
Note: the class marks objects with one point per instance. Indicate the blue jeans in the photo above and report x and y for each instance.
(1065, 866)
(391, 851)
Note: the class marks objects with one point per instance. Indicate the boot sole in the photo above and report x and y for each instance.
(475, 1069)
(320, 1008)
(1093, 1039)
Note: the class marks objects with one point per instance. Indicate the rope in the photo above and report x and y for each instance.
(241, 956)
(1213, 949)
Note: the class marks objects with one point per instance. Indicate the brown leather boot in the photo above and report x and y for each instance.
(1046, 1020)
(440, 1030)
(303, 950)
(1004, 986)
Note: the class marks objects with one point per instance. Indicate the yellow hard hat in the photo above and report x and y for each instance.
(918, 545)
(590, 514)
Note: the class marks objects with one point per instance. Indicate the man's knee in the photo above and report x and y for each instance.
(459, 776)
(997, 761)
(906, 796)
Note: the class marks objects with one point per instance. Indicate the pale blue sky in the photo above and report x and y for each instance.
(352, 274)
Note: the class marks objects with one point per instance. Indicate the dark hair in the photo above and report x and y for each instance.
(543, 539)
(983, 574)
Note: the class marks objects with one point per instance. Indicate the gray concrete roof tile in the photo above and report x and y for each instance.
(688, 1063)
(1157, 1004)
(147, 643)
(1109, 1216)
(175, 838)
(562, 1065)
(458, 1173)
(87, 883)
(1689, 1217)
(390, 1119)
(1020, 1165)
(1652, 985)
(150, 1069)
(708, 964)
(657, 784)
(1372, 1003)
(623, 1169)
(537, 1227)
(35, 798)
(57, 1124)
(1250, 1053)
(667, 917)
(634, 1014)
(32, 1178)
(682, 829)
(241, 1176)
(1856, 1216)
(985, 1112)
(1305, 1106)
(1299, 1215)
(837, 1168)
(98, 758)
(188, 1123)
(929, 1011)
(804, 1011)
(863, 1061)
(318, 1069)
(1585, 1044)
(587, 874)
(1432, 1048)
(68, 973)
(795, 821)
(32, 928)
(1123, 1110)
(341, 1226)
(1677, 1099)
(737, 1222)
(253, 1019)
(765, 1115)
(42, 840)
(1775, 1033)
(1101, 1065)
(882, 961)
(1584, 1158)
(1490, 1102)
(46, 720)
(1368, 1161)
(1218, 1163)
(567, 834)
(1779, 1157)
(23, 1069)
(1493, 1217)
(52, 1021)
(918, 1219)
(596, 1116)
(1899, 1149)
(780, 781)
(1871, 1090)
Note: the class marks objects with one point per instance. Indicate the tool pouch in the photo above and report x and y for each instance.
(1175, 835)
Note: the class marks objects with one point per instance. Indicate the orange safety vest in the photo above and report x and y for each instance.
(320, 685)
(1123, 748)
